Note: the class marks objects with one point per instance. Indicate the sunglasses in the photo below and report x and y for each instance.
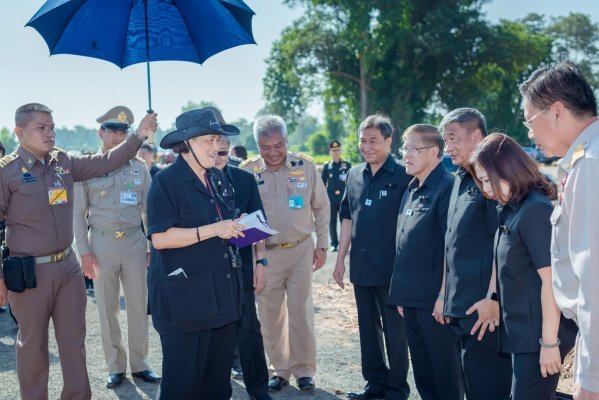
(223, 153)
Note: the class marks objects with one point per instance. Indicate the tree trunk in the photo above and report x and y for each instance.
(363, 92)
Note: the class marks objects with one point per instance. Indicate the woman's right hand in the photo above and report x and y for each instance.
(550, 361)
(228, 229)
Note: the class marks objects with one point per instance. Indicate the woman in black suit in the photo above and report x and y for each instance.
(532, 328)
(194, 281)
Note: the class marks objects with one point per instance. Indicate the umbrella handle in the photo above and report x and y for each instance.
(152, 133)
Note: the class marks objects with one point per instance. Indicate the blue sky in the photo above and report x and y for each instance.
(79, 89)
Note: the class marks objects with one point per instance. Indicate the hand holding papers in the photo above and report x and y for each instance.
(256, 229)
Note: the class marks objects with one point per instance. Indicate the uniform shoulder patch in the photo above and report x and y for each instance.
(250, 160)
(4, 161)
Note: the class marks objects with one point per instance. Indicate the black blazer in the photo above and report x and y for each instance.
(210, 294)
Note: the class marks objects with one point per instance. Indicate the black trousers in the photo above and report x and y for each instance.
(251, 349)
(335, 207)
(528, 383)
(197, 365)
(377, 319)
(435, 356)
(487, 372)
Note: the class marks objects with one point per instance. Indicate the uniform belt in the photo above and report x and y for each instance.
(53, 257)
(288, 245)
(115, 234)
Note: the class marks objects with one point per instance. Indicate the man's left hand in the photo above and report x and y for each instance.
(488, 316)
(320, 257)
(259, 278)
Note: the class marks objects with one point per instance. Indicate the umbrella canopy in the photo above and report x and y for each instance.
(126, 32)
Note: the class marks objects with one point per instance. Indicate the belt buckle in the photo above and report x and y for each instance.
(285, 245)
(57, 257)
(119, 234)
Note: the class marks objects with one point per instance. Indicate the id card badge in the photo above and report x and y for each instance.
(129, 198)
(57, 196)
(296, 202)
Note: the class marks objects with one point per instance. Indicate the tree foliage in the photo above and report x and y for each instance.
(414, 60)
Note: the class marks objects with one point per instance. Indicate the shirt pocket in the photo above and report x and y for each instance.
(191, 300)
(32, 198)
(101, 191)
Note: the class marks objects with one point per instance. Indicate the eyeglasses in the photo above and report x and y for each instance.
(528, 124)
(405, 150)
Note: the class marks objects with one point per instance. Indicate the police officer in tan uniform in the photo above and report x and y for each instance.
(36, 198)
(560, 113)
(296, 204)
(113, 249)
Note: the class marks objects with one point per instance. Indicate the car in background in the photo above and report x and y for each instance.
(448, 164)
(531, 152)
(537, 154)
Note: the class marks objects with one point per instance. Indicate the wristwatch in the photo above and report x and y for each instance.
(492, 296)
(262, 261)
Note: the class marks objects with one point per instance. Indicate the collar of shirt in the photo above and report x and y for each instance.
(462, 172)
(388, 165)
(583, 139)
(431, 180)
(30, 160)
(187, 174)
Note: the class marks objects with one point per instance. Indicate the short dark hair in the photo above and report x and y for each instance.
(180, 148)
(429, 134)
(562, 82)
(470, 117)
(240, 151)
(379, 121)
(504, 160)
(147, 147)
(23, 113)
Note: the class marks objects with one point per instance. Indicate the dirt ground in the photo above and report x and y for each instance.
(338, 353)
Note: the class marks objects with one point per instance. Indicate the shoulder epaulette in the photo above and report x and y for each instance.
(304, 157)
(250, 160)
(4, 161)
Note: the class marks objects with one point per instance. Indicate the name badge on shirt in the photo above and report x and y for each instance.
(302, 185)
(368, 202)
(296, 202)
(129, 198)
(343, 177)
(57, 196)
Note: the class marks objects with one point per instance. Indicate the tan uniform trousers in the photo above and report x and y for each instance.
(122, 261)
(60, 295)
(286, 311)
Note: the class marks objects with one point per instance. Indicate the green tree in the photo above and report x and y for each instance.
(576, 38)
(318, 143)
(8, 139)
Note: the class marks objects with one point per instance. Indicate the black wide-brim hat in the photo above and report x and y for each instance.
(190, 124)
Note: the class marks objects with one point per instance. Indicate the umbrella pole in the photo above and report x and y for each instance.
(151, 135)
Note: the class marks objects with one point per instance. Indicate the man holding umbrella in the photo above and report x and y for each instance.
(36, 199)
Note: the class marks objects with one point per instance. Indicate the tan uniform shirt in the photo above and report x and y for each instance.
(36, 199)
(575, 250)
(116, 201)
(294, 198)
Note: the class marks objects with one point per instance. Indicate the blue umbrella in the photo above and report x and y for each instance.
(126, 32)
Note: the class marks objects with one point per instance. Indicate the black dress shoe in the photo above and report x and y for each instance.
(277, 383)
(264, 396)
(115, 380)
(305, 383)
(366, 395)
(148, 375)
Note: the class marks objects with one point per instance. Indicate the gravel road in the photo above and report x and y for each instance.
(338, 352)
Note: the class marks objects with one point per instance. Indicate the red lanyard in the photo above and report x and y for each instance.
(220, 215)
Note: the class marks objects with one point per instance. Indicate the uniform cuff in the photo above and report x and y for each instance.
(322, 243)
